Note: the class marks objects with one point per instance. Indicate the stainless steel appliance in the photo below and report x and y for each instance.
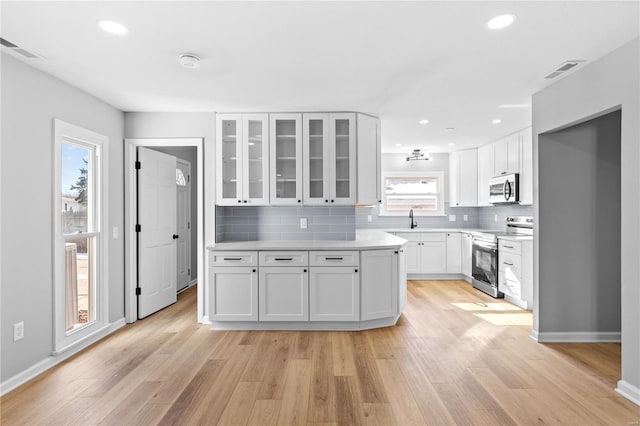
(484, 253)
(504, 189)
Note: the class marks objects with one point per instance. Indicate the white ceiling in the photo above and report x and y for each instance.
(401, 61)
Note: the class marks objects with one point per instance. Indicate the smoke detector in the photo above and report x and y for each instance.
(189, 60)
(416, 154)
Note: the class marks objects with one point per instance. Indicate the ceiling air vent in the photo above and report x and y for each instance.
(564, 67)
(17, 49)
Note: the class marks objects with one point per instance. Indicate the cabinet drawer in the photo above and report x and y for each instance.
(334, 258)
(233, 258)
(509, 261)
(410, 236)
(509, 246)
(508, 286)
(284, 258)
(434, 236)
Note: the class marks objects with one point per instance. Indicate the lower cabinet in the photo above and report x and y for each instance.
(379, 297)
(467, 245)
(454, 253)
(334, 293)
(233, 293)
(284, 293)
(426, 252)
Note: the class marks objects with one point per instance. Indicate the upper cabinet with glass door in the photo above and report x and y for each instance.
(329, 159)
(242, 154)
(286, 159)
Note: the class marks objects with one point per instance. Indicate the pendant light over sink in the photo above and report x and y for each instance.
(416, 154)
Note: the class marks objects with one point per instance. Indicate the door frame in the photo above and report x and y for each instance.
(189, 254)
(130, 214)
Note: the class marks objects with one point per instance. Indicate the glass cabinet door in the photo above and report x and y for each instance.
(255, 159)
(229, 153)
(286, 158)
(343, 158)
(316, 162)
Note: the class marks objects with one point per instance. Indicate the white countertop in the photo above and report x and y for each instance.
(438, 230)
(516, 237)
(365, 239)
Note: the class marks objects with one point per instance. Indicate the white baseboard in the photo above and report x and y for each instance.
(193, 282)
(42, 366)
(435, 277)
(626, 389)
(576, 336)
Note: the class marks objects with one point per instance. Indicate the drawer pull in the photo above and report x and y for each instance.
(284, 258)
(505, 246)
(333, 258)
(232, 258)
(253, 270)
(508, 263)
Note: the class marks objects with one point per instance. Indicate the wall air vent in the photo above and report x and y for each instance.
(564, 67)
(17, 49)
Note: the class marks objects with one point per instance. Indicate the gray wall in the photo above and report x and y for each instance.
(190, 154)
(30, 102)
(579, 236)
(607, 84)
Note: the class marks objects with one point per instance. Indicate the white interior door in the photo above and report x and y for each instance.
(183, 225)
(157, 220)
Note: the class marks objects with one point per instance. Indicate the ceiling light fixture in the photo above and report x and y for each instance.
(451, 144)
(500, 21)
(417, 155)
(189, 60)
(496, 121)
(514, 106)
(398, 144)
(449, 129)
(423, 121)
(112, 27)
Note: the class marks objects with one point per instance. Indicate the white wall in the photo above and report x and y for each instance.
(30, 102)
(608, 83)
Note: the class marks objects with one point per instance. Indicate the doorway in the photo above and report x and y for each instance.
(189, 159)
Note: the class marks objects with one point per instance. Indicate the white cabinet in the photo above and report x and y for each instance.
(283, 286)
(515, 271)
(334, 286)
(402, 278)
(466, 250)
(454, 253)
(286, 159)
(526, 166)
(369, 160)
(242, 153)
(329, 159)
(426, 252)
(379, 284)
(506, 155)
(233, 286)
(463, 178)
(485, 173)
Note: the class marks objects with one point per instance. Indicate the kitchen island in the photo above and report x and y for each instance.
(307, 285)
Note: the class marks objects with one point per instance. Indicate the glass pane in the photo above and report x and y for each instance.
(180, 180)
(342, 158)
(404, 193)
(76, 193)
(79, 279)
(229, 177)
(286, 159)
(316, 159)
(256, 162)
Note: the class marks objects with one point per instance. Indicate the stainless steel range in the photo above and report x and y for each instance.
(484, 266)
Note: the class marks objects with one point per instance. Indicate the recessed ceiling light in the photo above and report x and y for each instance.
(449, 129)
(496, 121)
(112, 27)
(398, 144)
(423, 121)
(451, 144)
(514, 106)
(501, 21)
(189, 60)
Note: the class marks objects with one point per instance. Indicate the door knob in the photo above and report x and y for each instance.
(175, 236)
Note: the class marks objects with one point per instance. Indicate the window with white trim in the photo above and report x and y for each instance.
(421, 191)
(80, 299)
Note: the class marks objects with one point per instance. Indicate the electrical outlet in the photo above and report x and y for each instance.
(115, 232)
(495, 218)
(18, 331)
(369, 218)
(465, 217)
(452, 218)
(303, 223)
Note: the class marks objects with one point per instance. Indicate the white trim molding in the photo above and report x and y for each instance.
(576, 336)
(49, 362)
(626, 389)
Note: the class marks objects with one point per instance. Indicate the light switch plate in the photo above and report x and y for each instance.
(465, 217)
(452, 218)
(369, 218)
(303, 223)
(115, 232)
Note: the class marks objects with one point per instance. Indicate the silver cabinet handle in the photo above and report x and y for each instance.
(284, 258)
(508, 247)
(232, 258)
(507, 263)
(333, 258)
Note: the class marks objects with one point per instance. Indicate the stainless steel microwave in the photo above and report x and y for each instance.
(504, 189)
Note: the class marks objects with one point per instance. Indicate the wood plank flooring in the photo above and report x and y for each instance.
(456, 356)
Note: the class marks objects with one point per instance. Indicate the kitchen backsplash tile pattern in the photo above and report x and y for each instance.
(283, 223)
(382, 222)
(487, 215)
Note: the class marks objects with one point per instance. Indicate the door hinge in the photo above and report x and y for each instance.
(138, 291)
(138, 165)
(188, 225)
(188, 178)
(189, 271)
(138, 227)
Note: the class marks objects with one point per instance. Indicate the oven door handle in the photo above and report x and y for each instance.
(486, 245)
(507, 190)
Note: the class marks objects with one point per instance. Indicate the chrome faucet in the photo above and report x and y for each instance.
(414, 224)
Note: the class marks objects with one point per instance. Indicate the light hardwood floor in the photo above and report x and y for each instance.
(457, 356)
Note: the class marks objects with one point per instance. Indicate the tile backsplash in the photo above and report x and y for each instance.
(487, 215)
(283, 223)
(382, 222)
